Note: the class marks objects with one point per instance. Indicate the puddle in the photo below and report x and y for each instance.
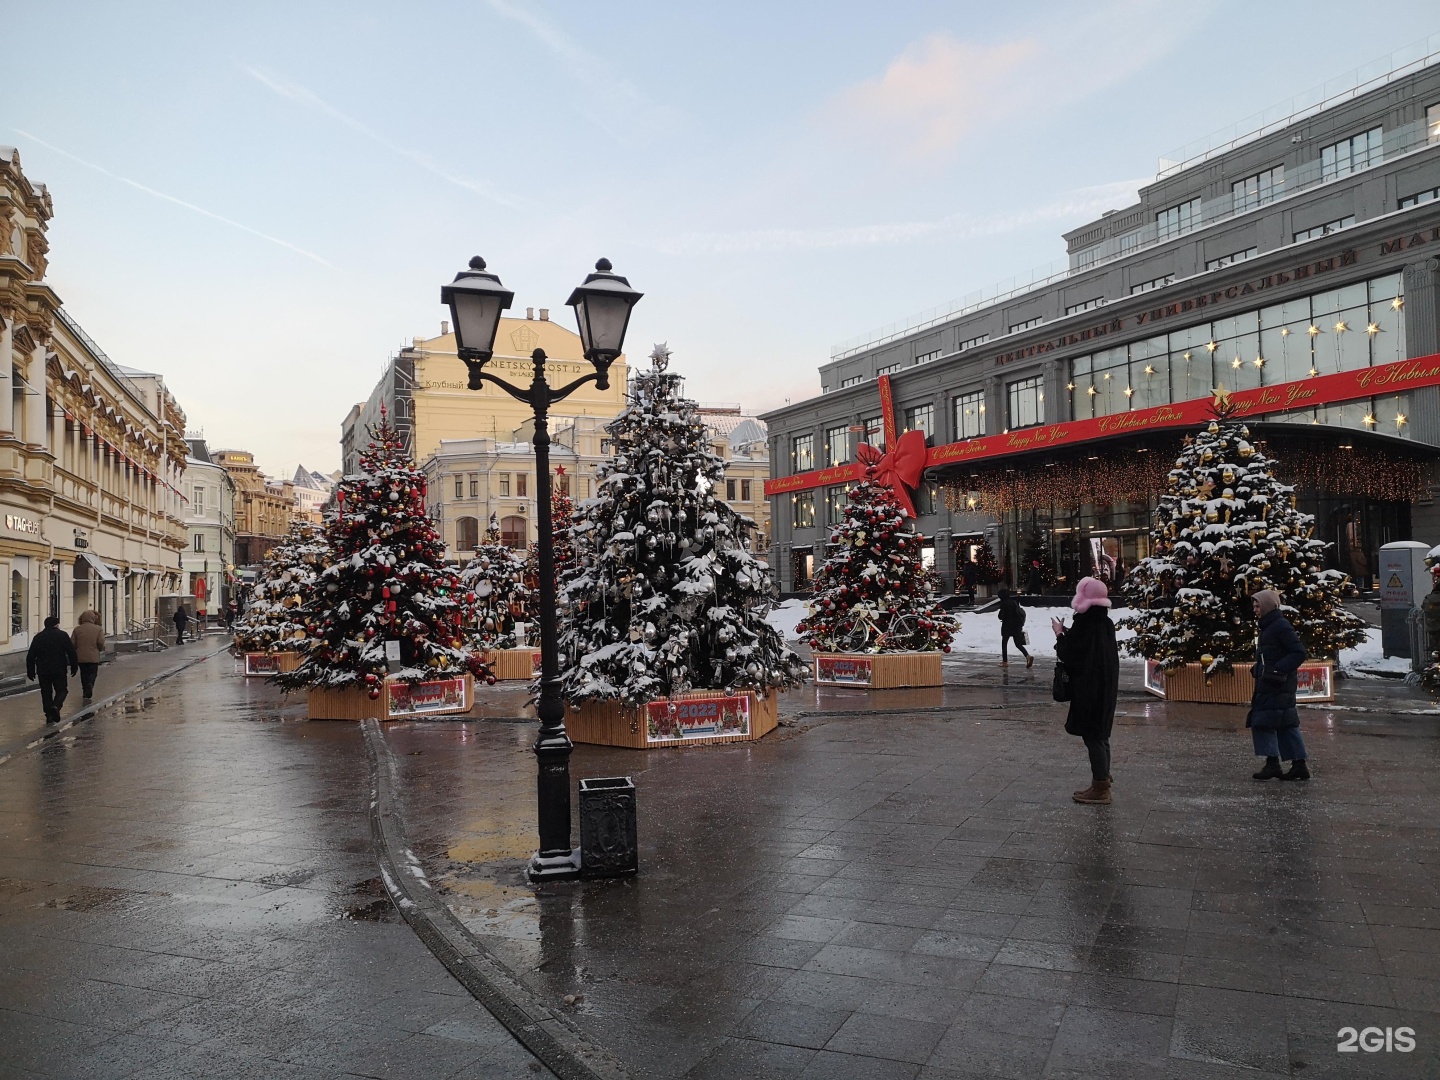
(371, 904)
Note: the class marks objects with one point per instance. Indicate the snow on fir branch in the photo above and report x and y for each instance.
(275, 617)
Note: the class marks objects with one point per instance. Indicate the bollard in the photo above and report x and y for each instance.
(608, 846)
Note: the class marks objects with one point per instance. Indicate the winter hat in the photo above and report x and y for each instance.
(1267, 600)
(1091, 592)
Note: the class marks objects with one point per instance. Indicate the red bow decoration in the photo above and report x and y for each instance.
(899, 470)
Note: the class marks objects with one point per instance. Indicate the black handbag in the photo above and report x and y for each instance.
(1060, 685)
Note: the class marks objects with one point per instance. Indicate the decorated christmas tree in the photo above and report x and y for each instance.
(662, 597)
(495, 577)
(1036, 555)
(387, 582)
(874, 594)
(275, 619)
(1226, 528)
(562, 517)
(987, 570)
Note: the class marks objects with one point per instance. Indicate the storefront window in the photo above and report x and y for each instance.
(19, 597)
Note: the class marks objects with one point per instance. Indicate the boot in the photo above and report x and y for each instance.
(1271, 769)
(1098, 794)
(1029, 661)
(1298, 771)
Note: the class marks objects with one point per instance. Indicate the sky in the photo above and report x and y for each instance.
(261, 201)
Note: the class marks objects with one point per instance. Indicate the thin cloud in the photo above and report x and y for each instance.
(172, 199)
(306, 97)
(1074, 205)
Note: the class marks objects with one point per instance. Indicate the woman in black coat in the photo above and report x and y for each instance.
(1012, 627)
(1274, 722)
(1092, 660)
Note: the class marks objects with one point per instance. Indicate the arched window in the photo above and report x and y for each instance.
(514, 532)
(467, 534)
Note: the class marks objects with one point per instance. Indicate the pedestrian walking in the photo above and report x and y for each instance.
(968, 576)
(1012, 627)
(51, 656)
(182, 620)
(1274, 722)
(232, 612)
(1035, 585)
(88, 638)
(1092, 660)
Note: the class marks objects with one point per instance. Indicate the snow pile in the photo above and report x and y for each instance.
(1368, 658)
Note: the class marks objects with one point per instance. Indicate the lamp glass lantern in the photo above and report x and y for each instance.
(476, 299)
(602, 310)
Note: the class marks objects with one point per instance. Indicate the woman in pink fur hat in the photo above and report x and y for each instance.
(1092, 660)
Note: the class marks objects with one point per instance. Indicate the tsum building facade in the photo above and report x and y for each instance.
(1296, 268)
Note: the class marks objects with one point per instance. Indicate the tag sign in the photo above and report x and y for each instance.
(392, 654)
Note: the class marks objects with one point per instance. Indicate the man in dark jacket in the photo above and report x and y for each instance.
(182, 620)
(51, 656)
(1012, 627)
(1274, 722)
(1092, 659)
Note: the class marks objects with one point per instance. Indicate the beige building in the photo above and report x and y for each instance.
(742, 441)
(263, 507)
(92, 455)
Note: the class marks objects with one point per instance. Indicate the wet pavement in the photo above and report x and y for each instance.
(188, 889)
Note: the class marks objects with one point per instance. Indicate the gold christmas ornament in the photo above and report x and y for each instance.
(1214, 428)
(1207, 659)
(1228, 476)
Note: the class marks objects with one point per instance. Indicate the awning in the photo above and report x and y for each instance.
(104, 573)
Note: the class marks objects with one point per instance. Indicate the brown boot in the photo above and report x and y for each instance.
(1097, 794)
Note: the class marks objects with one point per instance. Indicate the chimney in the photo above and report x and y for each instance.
(529, 313)
(444, 328)
(544, 314)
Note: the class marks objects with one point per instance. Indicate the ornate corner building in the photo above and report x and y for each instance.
(1296, 267)
(92, 455)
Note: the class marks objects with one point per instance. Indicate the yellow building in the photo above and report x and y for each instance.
(92, 455)
(742, 442)
(263, 507)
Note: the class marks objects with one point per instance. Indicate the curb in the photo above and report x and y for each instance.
(565, 1050)
(90, 711)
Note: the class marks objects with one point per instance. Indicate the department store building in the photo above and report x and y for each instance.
(1295, 266)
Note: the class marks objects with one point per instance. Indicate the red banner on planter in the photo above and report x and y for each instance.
(259, 663)
(844, 670)
(703, 718)
(439, 696)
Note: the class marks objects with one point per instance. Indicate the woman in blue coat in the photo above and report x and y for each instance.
(1274, 722)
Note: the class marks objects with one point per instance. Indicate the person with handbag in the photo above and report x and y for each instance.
(1088, 676)
(1012, 627)
(1273, 720)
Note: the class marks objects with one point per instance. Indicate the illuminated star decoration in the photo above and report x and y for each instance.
(1397, 303)
(1222, 397)
(1341, 327)
(1372, 328)
(1149, 369)
(1313, 331)
(1129, 392)
(1225, 564)
(1212, 345)
(1259, 361)
(1236, 362)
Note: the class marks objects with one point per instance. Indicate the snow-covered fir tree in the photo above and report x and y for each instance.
(493, 582)
(874, 593)
(275, 618)
(386, 582)
(1226, 527)
(663, 598)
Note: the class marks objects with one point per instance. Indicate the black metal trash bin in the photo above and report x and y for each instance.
(608, 847)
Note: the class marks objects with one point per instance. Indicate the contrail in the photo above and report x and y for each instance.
(302, 95)
(172, 199)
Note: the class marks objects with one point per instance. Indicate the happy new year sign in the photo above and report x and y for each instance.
(1393, 378)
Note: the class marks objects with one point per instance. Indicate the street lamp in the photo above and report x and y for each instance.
(602, 307)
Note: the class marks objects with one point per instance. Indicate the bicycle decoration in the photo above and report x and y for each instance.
(663, 600)
(874, 595)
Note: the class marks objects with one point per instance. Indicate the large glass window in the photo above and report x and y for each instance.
(804, 507)
(1259, 189)
(921, 418)
(522, 485)
(970, 343)
(837, 445)
(853, 380)
(1229, 260)
(1178, 220)
(1015, 328)
(1428, 195)
(467, 533)
(802, 453)
(926, 357)
(1357, 152)
(1027, 402)
(1325, 229)
(970, 415)
(888, 369)
(875, 431)
(1432, 122)
(835, 499)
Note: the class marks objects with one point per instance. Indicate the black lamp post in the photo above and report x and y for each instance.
(602, 307)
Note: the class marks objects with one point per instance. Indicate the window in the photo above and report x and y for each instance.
(1420, 197)
(584, 487)
(504, 485)
(1027, 324)
(1326, 229)
(562, 483)
(970, 415)
(1085, 257)
(745, 491)
(1027, 401)
(513, 531)
(199, 541)
(522, 485)
(1257, 190)
(1154, 283)
(1432, 122)
(729, 490)
(459, 487)
(835, 500)
(1178, 219)
(18, 602)
(474, 486)
(804, 510)
(970, 343)
(853, 380)
(921, 418)
(1234, 257)
(888, 369)
(197, 504)
(467, 533)
(925, 358)
(1357, 152)
(875, 431)
(1129, 241)
(1084, 305)
(802, 453)
(837, 445)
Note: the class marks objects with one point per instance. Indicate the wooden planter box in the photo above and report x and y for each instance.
(702, 718)
(270, 663)
(879, 671)
(514, 663)
(1315, 682)
(397, 701)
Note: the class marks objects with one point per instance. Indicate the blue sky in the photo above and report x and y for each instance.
(262, 200)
